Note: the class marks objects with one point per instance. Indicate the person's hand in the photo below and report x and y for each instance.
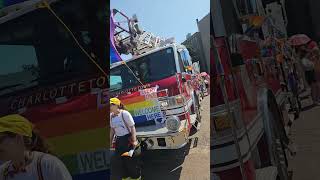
(135, 143)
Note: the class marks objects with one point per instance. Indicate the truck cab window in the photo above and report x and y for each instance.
(17, 69)
(39, 43)
(181, 64)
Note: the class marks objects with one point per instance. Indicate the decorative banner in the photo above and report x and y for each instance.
(144, 106)
(114, 55)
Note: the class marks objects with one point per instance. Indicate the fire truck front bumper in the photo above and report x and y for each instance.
(158, 137)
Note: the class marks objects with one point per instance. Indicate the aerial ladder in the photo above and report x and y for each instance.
(131, 39)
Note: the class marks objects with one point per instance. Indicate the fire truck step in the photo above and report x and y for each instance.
(267, 173)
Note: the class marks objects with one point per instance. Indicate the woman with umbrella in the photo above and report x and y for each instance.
(301, 41)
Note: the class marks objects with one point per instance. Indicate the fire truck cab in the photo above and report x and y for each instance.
(248, 109)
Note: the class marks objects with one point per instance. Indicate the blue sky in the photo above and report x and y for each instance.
(166, 18)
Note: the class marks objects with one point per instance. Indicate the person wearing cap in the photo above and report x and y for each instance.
(25, 154)
(123, 128)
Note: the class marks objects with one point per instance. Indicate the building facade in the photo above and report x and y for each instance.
(303, 17)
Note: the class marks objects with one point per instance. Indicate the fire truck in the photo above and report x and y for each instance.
(161, 64)
(53, 72)
(249, 109)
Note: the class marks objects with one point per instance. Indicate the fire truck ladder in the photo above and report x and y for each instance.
(231, 117)
(130, 39)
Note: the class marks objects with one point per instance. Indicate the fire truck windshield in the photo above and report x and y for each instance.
(149, 68)
(36, 49)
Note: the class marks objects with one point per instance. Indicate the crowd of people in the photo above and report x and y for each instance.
(309, 56)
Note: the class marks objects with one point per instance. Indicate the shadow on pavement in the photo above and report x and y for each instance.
(164, 164)
(156, 164)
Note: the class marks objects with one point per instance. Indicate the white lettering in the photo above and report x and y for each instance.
(93, 161)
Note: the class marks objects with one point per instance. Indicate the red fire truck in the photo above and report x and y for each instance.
(248, 112)
(160, 64)
(48, 76)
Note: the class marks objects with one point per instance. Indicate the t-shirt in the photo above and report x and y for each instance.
(307, 64)
(117, 123)
(52, 169)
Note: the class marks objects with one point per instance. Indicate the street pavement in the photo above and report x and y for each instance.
(305, 133)
(189, 163)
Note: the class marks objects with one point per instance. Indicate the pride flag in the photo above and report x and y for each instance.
(144, 106)
(114, 55)
(82, 143)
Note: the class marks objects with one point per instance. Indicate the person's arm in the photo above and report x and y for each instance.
(130, 123)
(111, 131)
(111, 135)
(133, 135)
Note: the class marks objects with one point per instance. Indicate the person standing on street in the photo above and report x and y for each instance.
(123, 129)
(25, 154)
(315, 58)
(309, 69)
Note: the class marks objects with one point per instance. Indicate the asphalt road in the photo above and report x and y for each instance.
(305, 133)
(189, 163)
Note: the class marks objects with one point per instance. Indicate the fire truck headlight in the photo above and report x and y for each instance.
(173, 123)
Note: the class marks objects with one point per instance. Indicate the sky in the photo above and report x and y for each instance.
(165, 18)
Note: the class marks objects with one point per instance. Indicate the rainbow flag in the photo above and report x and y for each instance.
(114, 55)
(82, 143)
(144, 106)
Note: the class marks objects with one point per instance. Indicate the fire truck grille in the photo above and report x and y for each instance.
(147, 123)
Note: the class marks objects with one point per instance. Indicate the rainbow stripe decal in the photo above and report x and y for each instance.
(82, 143)
(144, 106)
